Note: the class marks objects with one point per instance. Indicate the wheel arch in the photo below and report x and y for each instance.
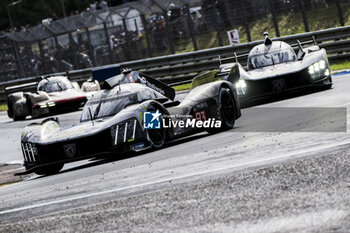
(168, 131)
(234, 96)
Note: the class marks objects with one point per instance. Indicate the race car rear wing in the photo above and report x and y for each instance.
(300, 44)
(301, 51)
(297, 46)
(27, 87)
(211, 76)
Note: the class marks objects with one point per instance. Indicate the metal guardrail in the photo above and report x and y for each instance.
(183, 67)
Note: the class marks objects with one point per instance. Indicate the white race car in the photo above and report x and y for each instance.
(54, 94)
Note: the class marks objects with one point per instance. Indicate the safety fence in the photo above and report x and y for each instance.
(153, 28)
(181, 68)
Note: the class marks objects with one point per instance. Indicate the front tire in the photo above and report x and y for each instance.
(16, 118)
(329, 84)
(227, 112)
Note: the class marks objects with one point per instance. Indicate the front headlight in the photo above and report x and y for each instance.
(318, 69)
(327, 73)
(311, 69)
(322, 64)
(241, 87)
(51, 104)
(42, 105)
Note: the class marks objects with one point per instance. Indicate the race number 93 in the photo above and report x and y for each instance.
(200, 116)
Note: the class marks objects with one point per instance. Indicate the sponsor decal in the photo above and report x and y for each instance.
(154, 120)
(139, 146)
(278, 85)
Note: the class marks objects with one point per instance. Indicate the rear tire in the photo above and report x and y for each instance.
(227, 111)
(50, 169)
(9, 109)
(16, 118)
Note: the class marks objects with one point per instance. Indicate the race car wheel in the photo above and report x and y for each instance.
(50, 169)
(227, 110)
(29, 107)
(16, 118)
(329, 84)
(156, 136)
(11, 113)
(10, 109)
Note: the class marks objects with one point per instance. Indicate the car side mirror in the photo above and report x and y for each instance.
(300, 54)
(234, 74)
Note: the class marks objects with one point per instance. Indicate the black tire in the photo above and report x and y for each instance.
(328, 86)
(29, 107)
(50, 169)
(9, 109)
(227, 110)
(16, 118)
(156, 136)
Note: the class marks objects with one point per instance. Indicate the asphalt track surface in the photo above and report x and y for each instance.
(284, 175)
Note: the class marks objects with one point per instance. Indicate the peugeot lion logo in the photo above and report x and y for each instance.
(278, 84)
(69, 150)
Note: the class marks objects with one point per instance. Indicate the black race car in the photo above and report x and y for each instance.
(133, 113)
(274, 67)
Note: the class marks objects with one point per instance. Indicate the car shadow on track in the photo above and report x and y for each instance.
(115, 158)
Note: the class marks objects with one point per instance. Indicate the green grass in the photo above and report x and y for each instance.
(3, 107)
(340, 66)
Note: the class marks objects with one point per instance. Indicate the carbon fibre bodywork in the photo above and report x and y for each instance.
(112, 121)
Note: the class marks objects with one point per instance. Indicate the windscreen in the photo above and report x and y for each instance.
(271, 58)
(54, 86)
(111, 102)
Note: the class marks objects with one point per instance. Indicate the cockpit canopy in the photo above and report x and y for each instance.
(268, 55)
(54, 84)
(110, 102)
